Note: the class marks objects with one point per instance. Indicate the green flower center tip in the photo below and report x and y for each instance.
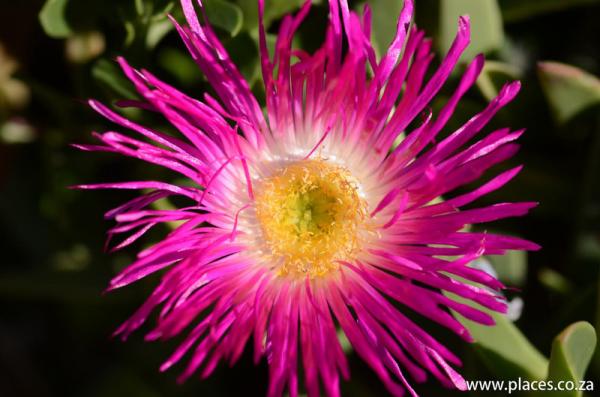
(311, 216)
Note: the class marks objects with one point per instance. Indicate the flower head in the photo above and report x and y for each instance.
(312, 218)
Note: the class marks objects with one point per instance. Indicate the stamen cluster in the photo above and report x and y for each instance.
(311, 216)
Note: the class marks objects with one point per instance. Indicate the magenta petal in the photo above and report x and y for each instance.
(225, 283)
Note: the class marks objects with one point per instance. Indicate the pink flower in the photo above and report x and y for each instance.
(308, 218)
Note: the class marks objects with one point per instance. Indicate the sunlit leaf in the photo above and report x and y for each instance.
(572, 351)
(511, 267)
(157, 31)
(140, 7)
(487, 33)
(16, 131)
(569, 90)
(506, 351)
(503, 348)
(53, 18)
(83, 47)
(554, 281)
(493, 76)
(165, 204)
(385, 16)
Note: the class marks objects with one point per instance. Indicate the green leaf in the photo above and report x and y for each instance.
(243, 50)
(110, 75)
(517, 10)
(487, 33)
(166, 205)
(511, 267)
(493, 76)
(505, 350)
(129, 33)
(224, 15)
(85, 46)
(53, 19)
(180, 65)
(588, 246)
(157, 31)
(274, 9)
(385, 17)
(572, 351)
(140, 7)
(344, 342)
(502, 347)
(568, 89)
(554, 281)
(16, 131)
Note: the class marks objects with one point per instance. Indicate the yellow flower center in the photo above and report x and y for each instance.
(311, 215)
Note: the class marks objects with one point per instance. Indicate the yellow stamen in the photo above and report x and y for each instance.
(311, 215)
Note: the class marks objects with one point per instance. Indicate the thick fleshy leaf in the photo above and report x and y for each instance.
(179, 65)
(569, 90)
(83, 47)
(385, 15)
(511, 267)
(221, 14)
(493, 76)
(150, 25)
(487, 33)
(572, 351)
(53, 19)
(588, 247)
(554, 281)
(157, 31)
(503, 348)
(166, 205)
(16, 132)
(224, 15)
(244, 52)
(109, 75)
(517, 10)
(274, 9)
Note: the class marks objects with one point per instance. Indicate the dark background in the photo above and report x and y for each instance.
(55, 324)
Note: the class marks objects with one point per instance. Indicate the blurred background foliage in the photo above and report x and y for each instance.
(55, 326)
